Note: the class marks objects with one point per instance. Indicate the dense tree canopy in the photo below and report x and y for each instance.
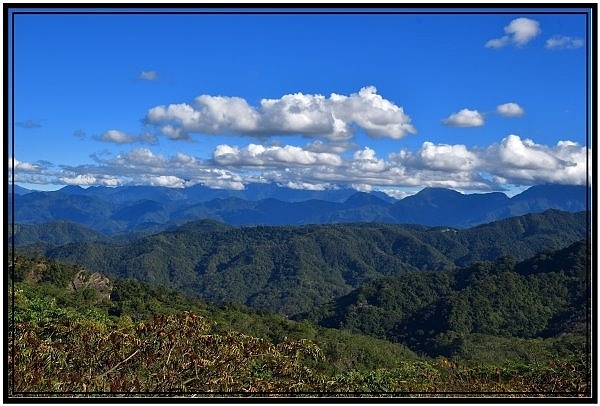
(292, 269)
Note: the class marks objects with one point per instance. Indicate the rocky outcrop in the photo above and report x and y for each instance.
(84, 279)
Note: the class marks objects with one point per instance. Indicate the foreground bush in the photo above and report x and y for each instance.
(178, 354)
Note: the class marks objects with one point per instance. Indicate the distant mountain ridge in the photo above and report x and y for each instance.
(152, 209)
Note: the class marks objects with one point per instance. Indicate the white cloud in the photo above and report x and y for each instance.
(510, 110)
(164, 180)
(465, 118)
(82, 180)
(303, 114)
(519, 32)
(148, 75)
(142, 166)
(511, 161)
(523, 30)
(20, 166)
(563, 42)
(224, 184)
(498, 42)
(522, 161)
(517, 153)
(361, 187)
(220, 179)
(258, 155)
(446, 157)
(365, 160)
(174, 133)
(119, 137)
(87, 179)
(377, 116)
(309, 115)
(211, 115)
(183, 159)
(141, 157)
(306, 186)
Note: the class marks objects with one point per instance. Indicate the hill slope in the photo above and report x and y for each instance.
(441, 313)
(291, 269)
(51, 233)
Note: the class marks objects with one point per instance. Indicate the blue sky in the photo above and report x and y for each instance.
(393, 102)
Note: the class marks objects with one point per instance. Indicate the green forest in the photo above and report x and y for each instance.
(292, 269)
(392, 311)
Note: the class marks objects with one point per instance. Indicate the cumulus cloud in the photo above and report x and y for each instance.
(377, 116)
(518, 32)
(513, 160)
(148, 75)
(210, 115)
(563, 42)
(522, 161)
(510, 110)
(465, 118)
(525, 154)
(141, 157)
(444, 157)
(164, 180)
(334, 118)
(259, 155)
(523, 30)
(119, 137)
(365, 160)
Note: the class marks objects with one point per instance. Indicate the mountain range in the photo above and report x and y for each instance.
(150, 209)
(291, 269)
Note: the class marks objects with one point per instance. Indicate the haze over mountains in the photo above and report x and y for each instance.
(152, 208)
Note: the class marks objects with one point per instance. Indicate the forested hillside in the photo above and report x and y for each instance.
(79, 333)
(51, 234)
(449, 313)
(292, 269)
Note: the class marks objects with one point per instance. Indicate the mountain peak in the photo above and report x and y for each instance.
(434, 194)
(438, 190)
